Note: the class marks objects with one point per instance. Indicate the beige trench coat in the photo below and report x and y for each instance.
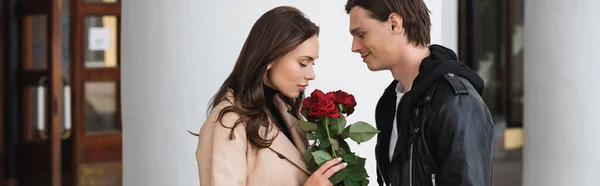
(225, 162)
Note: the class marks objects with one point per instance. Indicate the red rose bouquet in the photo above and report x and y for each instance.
(326, 125)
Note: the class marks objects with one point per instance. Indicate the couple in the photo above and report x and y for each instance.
(435, 128)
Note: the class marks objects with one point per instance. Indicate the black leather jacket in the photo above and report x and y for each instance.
(445, 130)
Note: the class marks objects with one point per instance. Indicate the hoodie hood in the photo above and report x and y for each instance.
(440, 62)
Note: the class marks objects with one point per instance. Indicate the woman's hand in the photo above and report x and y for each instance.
(321, 176)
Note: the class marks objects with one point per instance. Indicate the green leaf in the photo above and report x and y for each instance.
(320, 134)
(336, 144)
(358, 172)
(311, 136)
(324, 144)
(310, 161)
(337, 125)
(307, 156)
(307, 126)
(346, 132)
(361, 161)
(312, 166)
(349, 158)
(340, 152)
(308, 153)
(305, 113)
(349, 182)
(333, 126)
(344, 145)
(361, 132)
(338, 176)
(321, 122)
(365, 182)
(341, 124)
(321, 157)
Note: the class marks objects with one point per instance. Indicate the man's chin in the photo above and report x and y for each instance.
(374, 68)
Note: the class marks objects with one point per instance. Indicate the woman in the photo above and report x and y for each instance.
(251, 136)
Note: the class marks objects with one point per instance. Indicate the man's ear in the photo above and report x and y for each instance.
(395, 21)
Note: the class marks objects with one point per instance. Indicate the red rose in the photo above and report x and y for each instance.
(347, 100)
(319, 106)
(317, 94)
(305, 104)
(331, 96)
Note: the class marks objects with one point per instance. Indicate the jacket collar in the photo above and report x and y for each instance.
(290, 150)
(417, 119)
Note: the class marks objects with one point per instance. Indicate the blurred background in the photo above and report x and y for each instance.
(102, 92)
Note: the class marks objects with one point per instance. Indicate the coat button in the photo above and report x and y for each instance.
(417, 129)
(427, 98)
(451, 74)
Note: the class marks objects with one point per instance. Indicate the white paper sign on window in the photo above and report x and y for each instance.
(98, 39)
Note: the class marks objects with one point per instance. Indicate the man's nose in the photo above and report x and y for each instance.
(356, 46)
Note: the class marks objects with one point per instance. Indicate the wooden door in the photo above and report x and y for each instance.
(70, 99)
(42, 93)
(95, 78)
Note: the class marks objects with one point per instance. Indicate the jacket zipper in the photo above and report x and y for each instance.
(410, 165)
(433, 179)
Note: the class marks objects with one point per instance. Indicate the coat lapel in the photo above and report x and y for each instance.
(291, 150)
(298, 136)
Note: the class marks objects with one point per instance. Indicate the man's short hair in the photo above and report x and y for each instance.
(414, 13)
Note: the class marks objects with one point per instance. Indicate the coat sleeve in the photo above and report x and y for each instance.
(221, 160)
(464, 142)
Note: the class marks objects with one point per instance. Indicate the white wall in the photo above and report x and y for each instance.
(175, 54)
(450, 24)
(444, 22)
(435, 7)
(561, 93)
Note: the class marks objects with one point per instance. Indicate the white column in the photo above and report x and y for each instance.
(450, 24)
(161, 82)
(176, 53)
(436, 33)
(562, 89)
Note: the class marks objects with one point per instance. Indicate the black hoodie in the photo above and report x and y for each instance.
(440, 62)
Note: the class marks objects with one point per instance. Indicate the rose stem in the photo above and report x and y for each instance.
(329, 137)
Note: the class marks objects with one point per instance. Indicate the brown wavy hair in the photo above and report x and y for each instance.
(275, 33)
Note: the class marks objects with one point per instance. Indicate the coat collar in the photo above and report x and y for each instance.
(290, 150)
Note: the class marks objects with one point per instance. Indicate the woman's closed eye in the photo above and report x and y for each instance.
(305, 63)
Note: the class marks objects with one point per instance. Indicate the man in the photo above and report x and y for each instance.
(435, 128)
